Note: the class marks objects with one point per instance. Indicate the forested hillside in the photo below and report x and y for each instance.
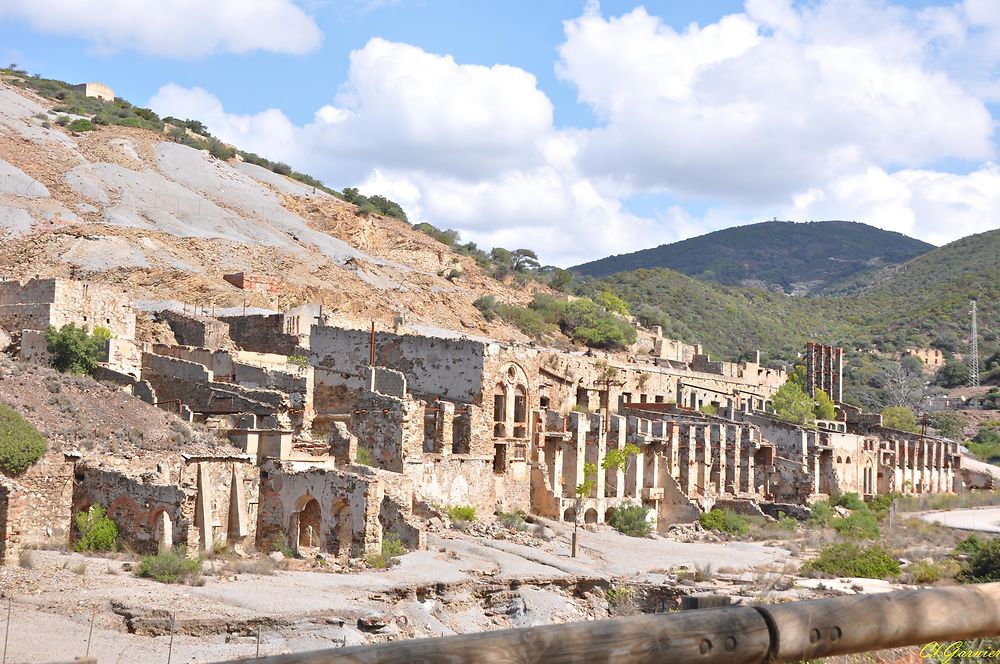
(798, 258)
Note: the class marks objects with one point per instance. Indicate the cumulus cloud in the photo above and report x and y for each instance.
(766, 102)
(174, 28)
(458, 145)
(839, 109)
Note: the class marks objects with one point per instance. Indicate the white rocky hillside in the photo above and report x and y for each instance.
(165, 221)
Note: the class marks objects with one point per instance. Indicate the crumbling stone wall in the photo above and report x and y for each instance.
(263, 333)
(38, 303)
(349, 506)
(38, 505)
(207, 501)
(197, 330)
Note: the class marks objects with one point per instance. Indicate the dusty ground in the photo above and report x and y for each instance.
(460, 584)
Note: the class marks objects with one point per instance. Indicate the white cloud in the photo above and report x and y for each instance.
(935, 206)
(765, 103)
(174, 28)
(843, 109)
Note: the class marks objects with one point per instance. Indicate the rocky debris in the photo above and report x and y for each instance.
(841, 511)
(276, 556)
(691, 532)
(161, 622)
(498, 531)
(374, 622)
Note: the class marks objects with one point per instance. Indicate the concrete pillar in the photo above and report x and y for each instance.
(735, 476)
(164, 532)
(444, 431)
(204, 508)
(238, 518)
(673, 451)
(751, 447)
(722, 474)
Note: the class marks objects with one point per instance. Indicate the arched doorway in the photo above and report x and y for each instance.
(569, 515)
(342, 529)
(590, 516)
(309, 523)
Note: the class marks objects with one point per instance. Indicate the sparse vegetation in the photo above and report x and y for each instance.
(21, 444)
(861, 524)
(171, 567)
(392, 545)
(849, 559)
(461, 512)
(513, 520)
(363, 457)
(724, 521)
(80, 126)
(622, 600)
(281, 545)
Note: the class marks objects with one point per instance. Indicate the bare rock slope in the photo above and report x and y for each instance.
(164, 221)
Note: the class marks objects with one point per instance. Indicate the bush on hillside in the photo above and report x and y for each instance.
(849, 559)
(21, 444)
(74, 349)
(724, 521)
(983, 565)
(631, 520)
(850, 501)
(791, 404)
(861, 524)
(79, 126)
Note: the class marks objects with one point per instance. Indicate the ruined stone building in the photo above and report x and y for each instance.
(332, 437)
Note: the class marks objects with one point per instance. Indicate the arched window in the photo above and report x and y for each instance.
(520, 412)
(840, 459)
(500, 411)
(848, 460)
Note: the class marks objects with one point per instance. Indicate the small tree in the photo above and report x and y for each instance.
(583, 490)
(612, 302)
(791, 404)
(949, 424)
(899, 417)
(97, 531)
(825, 408)
(522, 260)
(618, 459)
(74, 349)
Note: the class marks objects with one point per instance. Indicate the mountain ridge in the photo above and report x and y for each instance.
(799, 258)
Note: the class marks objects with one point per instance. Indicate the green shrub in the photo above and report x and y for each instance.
(849, 559)
(850, 501)
(822, 513)
(392, 545)
(170, 567)
(970, 544)
(220, 150)
(859, 525)
(97, 531)
(925, 571)
(130, 122)
(724, 521)
(880, 504)
(631, 520)
(21, 445)
(513, 520)
(528, 321)
(461, 512)
(80, 125)
(363, 457)
(983, 564)
(74, 349)
(487, 305)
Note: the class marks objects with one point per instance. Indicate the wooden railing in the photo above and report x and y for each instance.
(732, 635)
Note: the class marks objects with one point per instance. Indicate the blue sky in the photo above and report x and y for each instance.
(574, 128)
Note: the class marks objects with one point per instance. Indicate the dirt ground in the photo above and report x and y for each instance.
(461, 583)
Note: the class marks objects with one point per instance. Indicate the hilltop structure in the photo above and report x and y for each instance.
(335, 436)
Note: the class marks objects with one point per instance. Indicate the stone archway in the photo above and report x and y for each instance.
(590, 516)
(569, 515)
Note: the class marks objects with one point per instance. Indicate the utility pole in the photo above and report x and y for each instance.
(974, 351)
